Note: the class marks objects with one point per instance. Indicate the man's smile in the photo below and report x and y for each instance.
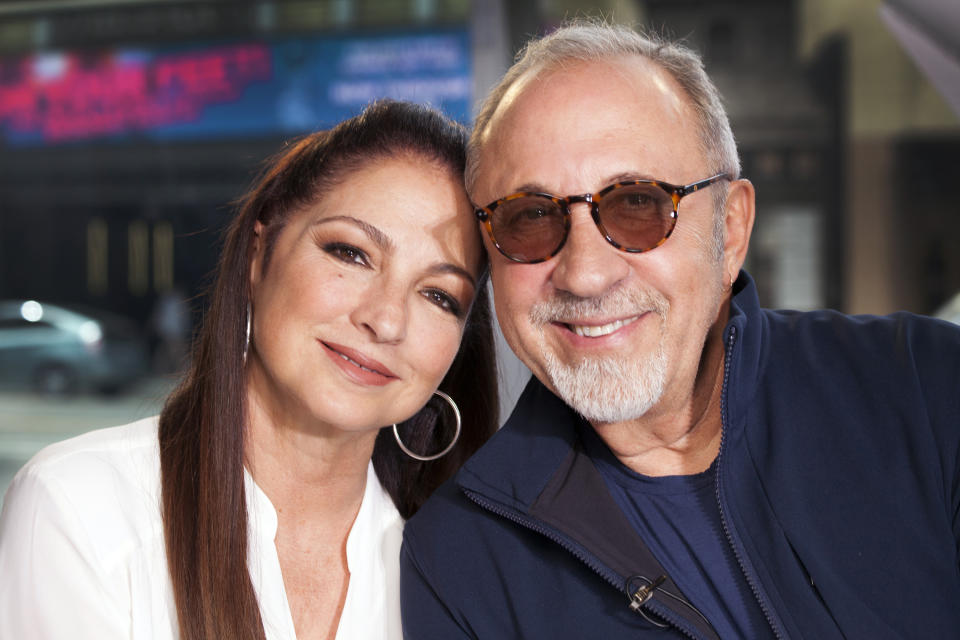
(597, 331)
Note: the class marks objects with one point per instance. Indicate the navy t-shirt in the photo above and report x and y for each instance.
(679, 519)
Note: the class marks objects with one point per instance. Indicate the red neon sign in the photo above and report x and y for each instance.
(69, 96)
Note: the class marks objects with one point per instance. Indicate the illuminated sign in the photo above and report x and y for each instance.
(228, 89)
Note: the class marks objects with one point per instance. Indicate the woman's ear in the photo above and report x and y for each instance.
(257, 260)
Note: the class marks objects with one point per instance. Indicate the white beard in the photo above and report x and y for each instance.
(605, 390)
(609, 388)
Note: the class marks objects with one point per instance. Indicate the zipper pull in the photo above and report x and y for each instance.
(644, 592)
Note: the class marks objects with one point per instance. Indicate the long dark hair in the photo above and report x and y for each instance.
(202, 424)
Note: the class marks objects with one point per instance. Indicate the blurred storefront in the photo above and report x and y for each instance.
(127, 129)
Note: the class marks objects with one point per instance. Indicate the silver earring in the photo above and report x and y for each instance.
(456, 436)
(246, 344)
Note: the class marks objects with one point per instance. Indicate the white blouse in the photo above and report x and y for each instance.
(82, 553)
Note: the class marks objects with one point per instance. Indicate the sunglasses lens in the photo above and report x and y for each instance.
(638, 217)
(529, 228)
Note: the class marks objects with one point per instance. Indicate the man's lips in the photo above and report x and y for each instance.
(599, 328)
(358, 360)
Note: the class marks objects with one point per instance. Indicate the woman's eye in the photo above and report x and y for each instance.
(346, 253)
(443, 300)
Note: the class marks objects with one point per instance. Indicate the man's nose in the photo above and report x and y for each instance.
(587, 266)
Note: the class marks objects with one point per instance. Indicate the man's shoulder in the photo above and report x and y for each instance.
(868, 376)
(448, 511)
(898, 334)
(831, 320)
(461, 525)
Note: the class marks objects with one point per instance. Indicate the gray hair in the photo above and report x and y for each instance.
(585, 40)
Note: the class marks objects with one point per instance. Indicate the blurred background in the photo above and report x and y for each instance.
(128, 127)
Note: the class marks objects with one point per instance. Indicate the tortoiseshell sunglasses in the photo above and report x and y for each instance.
(633, 216)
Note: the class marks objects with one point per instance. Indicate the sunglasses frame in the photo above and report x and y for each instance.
(676, 193)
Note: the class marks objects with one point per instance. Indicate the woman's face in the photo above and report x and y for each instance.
(361, 308)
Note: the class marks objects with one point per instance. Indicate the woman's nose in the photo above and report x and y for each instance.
(382, 312)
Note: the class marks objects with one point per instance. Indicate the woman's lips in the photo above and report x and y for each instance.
(357, 366)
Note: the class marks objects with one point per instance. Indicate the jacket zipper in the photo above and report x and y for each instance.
(731, 339)
(637, 602)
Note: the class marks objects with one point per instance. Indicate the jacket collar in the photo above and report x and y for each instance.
(746, 360)
(516, 464)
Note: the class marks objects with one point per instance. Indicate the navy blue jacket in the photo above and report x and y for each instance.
(838, 482)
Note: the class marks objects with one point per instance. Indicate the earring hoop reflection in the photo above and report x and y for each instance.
(456, 435)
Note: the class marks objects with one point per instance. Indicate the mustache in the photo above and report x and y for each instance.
(568, 308)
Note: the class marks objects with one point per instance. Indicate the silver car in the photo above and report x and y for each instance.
(54, 349)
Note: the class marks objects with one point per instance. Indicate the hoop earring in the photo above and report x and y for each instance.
(246, 344)
(456, 436)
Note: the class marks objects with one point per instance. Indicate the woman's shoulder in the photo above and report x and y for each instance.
(81, 527)
(105, 483)
(102, 455)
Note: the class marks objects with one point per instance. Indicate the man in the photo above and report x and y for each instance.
(684, 464)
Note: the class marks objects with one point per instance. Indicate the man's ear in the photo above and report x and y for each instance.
(738, 225)
(256, 261)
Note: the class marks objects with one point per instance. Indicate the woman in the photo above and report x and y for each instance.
(266, 501)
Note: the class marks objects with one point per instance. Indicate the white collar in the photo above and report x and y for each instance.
(372, 606)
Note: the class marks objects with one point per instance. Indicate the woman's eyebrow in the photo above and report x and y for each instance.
(379, 238)
(385, 244)
(443, 268)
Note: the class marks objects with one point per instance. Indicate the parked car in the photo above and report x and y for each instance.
(55, 349)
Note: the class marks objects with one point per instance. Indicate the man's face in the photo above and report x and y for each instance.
(614, 334)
